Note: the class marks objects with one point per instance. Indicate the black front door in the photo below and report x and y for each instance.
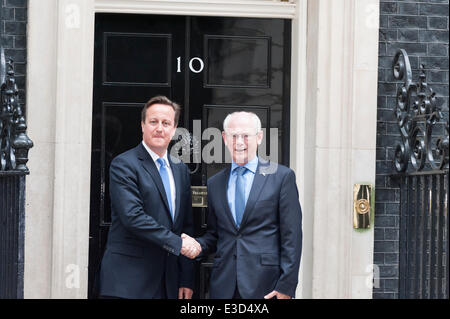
(210, 66)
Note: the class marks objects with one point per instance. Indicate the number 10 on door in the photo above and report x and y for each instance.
(199, 65)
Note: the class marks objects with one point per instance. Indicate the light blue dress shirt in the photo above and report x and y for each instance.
(249, 176)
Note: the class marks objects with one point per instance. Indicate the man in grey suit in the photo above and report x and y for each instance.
(254, 220)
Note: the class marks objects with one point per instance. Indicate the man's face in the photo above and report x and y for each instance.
(241, 138)
(159, 127)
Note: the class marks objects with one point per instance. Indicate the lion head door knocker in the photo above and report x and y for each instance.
(187, 148)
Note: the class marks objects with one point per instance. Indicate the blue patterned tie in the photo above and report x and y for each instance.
(165, 178)
(239, 197)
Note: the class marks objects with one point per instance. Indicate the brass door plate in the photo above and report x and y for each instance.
(362, 200)
(199, 196)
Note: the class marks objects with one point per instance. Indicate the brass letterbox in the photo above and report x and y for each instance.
(199, 196)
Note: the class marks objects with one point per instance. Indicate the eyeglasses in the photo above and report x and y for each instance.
(245, 137)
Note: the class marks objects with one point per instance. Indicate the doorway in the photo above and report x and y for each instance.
(210, 66)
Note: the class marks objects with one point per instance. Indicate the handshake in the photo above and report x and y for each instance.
(190, 247)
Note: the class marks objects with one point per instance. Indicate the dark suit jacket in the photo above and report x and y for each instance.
(143, 243)
(264, 253)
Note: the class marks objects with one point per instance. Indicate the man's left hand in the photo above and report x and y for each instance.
(185, 293)
(279, 295)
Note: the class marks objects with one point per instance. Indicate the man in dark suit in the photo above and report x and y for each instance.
(150, 208)
(254, 220)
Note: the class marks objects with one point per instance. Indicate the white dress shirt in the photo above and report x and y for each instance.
(169, 169)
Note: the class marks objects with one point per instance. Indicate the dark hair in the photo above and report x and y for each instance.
(160, 99)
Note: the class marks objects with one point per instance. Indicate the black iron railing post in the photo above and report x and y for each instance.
(14, 146)
(422, 165)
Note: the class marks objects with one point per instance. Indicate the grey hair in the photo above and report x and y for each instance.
(253, 115)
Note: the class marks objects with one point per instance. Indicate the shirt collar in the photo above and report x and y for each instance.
(156, 156)
(251, 166)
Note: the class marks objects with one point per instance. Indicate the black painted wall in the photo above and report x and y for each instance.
(13, 27)
(421, 28)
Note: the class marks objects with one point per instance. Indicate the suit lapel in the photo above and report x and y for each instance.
(257, 186)
(223, 184)
(150, 167)
(177, 178)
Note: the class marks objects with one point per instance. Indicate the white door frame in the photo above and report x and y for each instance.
(333, 114)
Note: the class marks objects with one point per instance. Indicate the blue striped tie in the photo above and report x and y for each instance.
(239, 197)
(165, 179)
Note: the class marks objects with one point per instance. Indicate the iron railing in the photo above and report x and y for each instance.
(424, 246)
(423, 243)
(14, 146)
